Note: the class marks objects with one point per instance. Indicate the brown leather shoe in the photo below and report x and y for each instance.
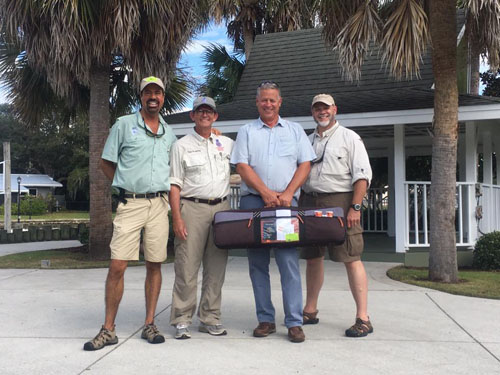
(264, 329)
(296, 334)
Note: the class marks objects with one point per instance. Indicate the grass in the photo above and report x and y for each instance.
(484, 284)
(59, 259)
(61, 215)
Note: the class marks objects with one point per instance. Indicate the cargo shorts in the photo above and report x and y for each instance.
(353, 246)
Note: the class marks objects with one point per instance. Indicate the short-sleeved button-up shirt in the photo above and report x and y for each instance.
(273, 153)
(345, 161)
(142, 161)
(200, 166)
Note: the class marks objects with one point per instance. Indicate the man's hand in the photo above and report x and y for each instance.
(270, 198)
(285, 199)
(180, 230)
(353, 217)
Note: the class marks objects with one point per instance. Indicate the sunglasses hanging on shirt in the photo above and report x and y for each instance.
(150, 133)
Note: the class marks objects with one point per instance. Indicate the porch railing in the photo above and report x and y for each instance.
(417, 215)
(489, 203)
(375, 209)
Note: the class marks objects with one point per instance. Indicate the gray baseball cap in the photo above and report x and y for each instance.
(204, 100)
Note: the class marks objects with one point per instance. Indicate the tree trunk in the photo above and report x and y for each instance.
(100, 193)
(248, 38)
(473, 53)
(443, 251)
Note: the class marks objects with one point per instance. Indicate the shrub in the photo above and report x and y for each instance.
(487, 252)
(38, 206)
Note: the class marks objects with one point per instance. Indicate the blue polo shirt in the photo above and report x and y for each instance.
(273, 153)
(142, 161)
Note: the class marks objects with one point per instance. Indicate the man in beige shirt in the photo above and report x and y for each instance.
(199, 178)
(339, 177)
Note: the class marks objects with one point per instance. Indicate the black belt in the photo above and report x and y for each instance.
(210, 202)
(315, 194)
(145, 195)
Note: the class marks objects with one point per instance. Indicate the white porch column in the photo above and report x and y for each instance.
(471, 176)
(497, 152)
(487, 158)
(399, 188)
(391, 230)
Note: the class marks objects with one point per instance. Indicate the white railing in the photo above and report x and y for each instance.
(489, 200)
(375, 210)
(417, 215)
(234, 196)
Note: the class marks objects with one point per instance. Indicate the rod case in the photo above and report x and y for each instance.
(278, 227)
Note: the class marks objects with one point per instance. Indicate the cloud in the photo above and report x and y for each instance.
(196, 47)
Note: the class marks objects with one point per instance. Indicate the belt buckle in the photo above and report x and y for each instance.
(196, 200)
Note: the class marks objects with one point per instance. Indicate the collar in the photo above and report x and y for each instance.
(262, 124)
(328, 132)
(141, 121)
(201, 139)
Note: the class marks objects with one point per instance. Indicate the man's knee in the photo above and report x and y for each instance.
(153, 267)
(314, 262)
(117, 268)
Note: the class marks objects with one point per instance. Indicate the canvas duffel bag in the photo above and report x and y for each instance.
(278, 227)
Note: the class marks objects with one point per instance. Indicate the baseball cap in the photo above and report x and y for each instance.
(323, 98)
(149, 80)
(204, 100)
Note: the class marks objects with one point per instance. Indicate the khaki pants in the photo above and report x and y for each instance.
(198, 248)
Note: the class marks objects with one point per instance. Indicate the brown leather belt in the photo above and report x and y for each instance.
(210, 202)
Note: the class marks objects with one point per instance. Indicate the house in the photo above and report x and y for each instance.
(39, 185)
(394, 118)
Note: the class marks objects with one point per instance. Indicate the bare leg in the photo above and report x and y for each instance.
(114, 290)
(359, 287)
(314, 281)
(152, 289)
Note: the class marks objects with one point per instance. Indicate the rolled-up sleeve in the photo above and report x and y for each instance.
(361, 169)
(240, 149)
(176, 169)
(111, 150)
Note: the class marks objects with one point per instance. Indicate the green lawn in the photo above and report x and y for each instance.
(59, 259)
(484, 284)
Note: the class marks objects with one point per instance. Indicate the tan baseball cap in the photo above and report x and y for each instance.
(149, 80)
(204, 100)
(323, 98)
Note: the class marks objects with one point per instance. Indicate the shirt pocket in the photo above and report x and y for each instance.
(196, 168)
(286, 147)
(223, 167)
(336, 163)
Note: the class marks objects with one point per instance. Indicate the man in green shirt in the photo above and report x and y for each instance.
(136, 159)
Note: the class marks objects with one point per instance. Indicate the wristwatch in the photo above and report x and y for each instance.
(356, 207)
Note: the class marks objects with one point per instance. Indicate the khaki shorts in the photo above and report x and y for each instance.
(352, 248)
(131, 218)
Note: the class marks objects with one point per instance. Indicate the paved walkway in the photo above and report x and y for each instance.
(14, 248)
(47, 315)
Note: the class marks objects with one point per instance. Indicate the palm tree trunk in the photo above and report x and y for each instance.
(443, 252)
(100, 194)
(248, 39)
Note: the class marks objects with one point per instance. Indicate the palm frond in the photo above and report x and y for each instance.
(334, 15)
(405, 38)
(485, 15)
(353, 41)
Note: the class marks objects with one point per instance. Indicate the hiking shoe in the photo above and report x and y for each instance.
(103, 338)
(296, 334)
(264, 329)
(214, 330)
(360, 329)
(151, 333)
(182, 331)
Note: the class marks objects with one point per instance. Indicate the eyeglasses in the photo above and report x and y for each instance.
(269, 84)
(205, 111)
(150, 133)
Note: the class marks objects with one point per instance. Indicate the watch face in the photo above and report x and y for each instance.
(357, 207)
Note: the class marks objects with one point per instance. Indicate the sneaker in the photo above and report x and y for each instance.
(103, 338)
(214, 330)
(360, 329)
(151, 333)
(182, 331)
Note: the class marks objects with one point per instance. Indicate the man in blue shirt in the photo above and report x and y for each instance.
(273, 157)
(136, 159)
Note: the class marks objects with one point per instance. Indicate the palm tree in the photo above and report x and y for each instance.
(222, 73)
(247, 18)
(403, 29)
(73, 42)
